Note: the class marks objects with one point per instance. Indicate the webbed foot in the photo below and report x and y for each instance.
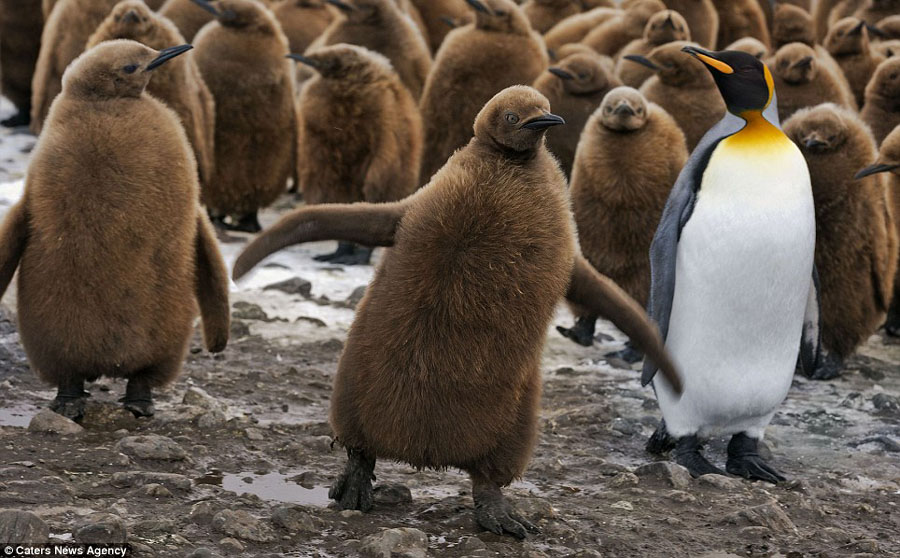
(361, 256)
(829, 367)
(496, 514)
(687, 454)
(19, 119)
(343, 249)
(138, 399)
(353, 489)
(629, 354)
(71, 400)
(744, 460)
(582, 332)
(660, 441)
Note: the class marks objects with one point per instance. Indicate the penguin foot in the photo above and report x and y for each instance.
(744, 460)
(687, 454)
(19, 119)
(138, 399)
(494, 513)
(353, 489)
(892, 325)
(248, 223)
(343, 249)
(660, 441)
(828, 368)
(582, 332)
(629, 354)
(70, 401)
(360, 256)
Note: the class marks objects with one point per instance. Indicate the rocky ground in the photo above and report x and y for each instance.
(238, 459)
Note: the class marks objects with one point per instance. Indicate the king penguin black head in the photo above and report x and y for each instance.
(743, 80)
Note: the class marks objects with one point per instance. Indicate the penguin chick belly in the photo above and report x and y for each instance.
(743, 271)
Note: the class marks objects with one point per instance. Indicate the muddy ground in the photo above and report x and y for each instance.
(238, 459)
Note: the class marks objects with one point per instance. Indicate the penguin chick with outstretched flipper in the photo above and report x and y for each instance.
(442, 363)
(113, 251)
(732, 274)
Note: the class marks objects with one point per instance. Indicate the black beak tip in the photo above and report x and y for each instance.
(544, 122)
(560, 73)
(478, 6)
(167, 54)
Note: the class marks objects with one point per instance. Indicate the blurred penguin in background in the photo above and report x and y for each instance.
(664, 27)
(21, 22)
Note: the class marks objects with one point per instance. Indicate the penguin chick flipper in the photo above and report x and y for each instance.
(494, 512)
(13, 236)
(353, 489)
(600, 294)
(364, 223)
(211, 288)
(744, 460)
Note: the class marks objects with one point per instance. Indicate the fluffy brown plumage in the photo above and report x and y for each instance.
(575, 87)
(792, 24)
(113, 251)
(187, 16)
(481, 255)
(21, 23)
(437, 13)
(739, 19)
(767, 5)
(856, 242)
(889, 28)
(848, 43)
(544, 14)
(613, 35)
(881, 110)
(750, 46)
(255, 143)
(802, 81)
(873, 11)
(302, 21)
(178, 83)
(702, 18)
(574, 28)
(475, 62)
(821, 12)
(664, 27)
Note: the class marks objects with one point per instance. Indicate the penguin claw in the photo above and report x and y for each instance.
(828, 368)
(140, 408)
(72, 409)
(353, 488)
(754, 468)
(687, 454)
(660, 441)
(582, 332)
(498, 516)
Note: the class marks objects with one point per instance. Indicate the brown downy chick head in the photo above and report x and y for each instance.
(365, 12)
(246, 15)
(515, 120)
(503, 16)
(792, 24)
(750, 45)
(847, 36)
(819, 129)
(623, 109)
(581, 74)
(638, 13)
(665, 27)
(885, 81)
(796, 64)
(130, 19)
(672, 66)
(120, 68)
(346, 63)
(888, 158)
(888, 28)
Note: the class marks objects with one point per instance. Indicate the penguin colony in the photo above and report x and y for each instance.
(507, 155)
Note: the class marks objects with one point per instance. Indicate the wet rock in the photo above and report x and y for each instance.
(356, 296)
(470, 545)
(535, 508)
(101, 529)
(721, 482)
(296, 518)
(247, 311)
(202, 552)
(255, 434)
(292, 286)
(624, 480)
(152, 446)
(767, 515)
(672, 474)
(239, 329)
(154, 490)
(137, 479)
(231, 546)
(886, 404)
(347, 514)
(48, 421)
(392, 494)
(211, 420)
(403, 542)
(108, 417)
(623, 505)
(22, 527)
(242, 525)
(200, 398)
(202, 513)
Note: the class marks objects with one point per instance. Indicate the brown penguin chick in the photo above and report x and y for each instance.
(750, 46)
(702, 19)
(20, 43)
(873, 11)
(792, 24)
(887, 49)
(684, 88)
(848, 43)
(587, 5)
(475, 62)
(575, 28)
(664, 27)
(544, 14)
(856, 241)
(888, 162)
(178, 83)
(881, 110)
(186, 16)
(65, 33)
(738, 19)
(801, 81)
(302, 21)
(360, 134)
(768, 5)
(613, 35)
(437, 13)
(255, 152)
(821, 13)
(575, 87)
(617, 206)
(888, 28)
(844, 8)
(482, 255)
(381, 26)
(113, 251)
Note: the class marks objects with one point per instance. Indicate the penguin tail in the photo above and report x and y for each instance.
(594, 291)
(368, 224)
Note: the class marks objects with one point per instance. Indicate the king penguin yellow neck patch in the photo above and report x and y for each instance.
(758, 134)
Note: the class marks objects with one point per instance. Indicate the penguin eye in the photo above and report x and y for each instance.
(640, 110)
(511, 118)
(582, 76)
(130, 69)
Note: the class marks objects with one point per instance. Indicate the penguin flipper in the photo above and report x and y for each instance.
(13, 236)
(810, 342)
(211, 287)
(601, 295)
(363, 223)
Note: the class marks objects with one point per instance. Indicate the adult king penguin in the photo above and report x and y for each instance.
(732, 278)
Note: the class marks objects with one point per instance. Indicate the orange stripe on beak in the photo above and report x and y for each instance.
(717, 64)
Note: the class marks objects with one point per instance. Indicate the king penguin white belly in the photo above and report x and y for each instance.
(743, 267)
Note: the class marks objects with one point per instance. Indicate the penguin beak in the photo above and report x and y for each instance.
(560, 73)
(624, 108)
(131, 17)
(875, 169)
(543, 122)
(858, 29)
(312, 62)
(668, 22)
(207, 6)
(343, 6)
(167, 54)
(875, 31)
(448, 22)
(709, 58)
(642, 60)
(804, 62)
(814, 143)
(478, 6)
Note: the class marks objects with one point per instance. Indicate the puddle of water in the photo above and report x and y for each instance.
(270, 486)
(17, 415)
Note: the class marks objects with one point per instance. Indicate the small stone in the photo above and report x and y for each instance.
(755, 531)
(292, 286)
(403, 542)
(151, 446)
(585, 553)
(202, 512)
(141, 550)
(623, 480)
(866, 545)
(886, 404)
(356, 296)
(392, 494)
(102, 529)
(136, 479)
(48, 421)
(200, 398)
(255, 434)
(247, 311)
(767, 515)
(623, 505)
(211, 419)
(721, 481)
(239, 329)
(535, 508)
(347, 514)
(202, 552)
(681, 497)
(296, 518)
(673, 474)
(22, 527)
(231, 546)
(153, 490)
(471, 544)
(242, 525)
